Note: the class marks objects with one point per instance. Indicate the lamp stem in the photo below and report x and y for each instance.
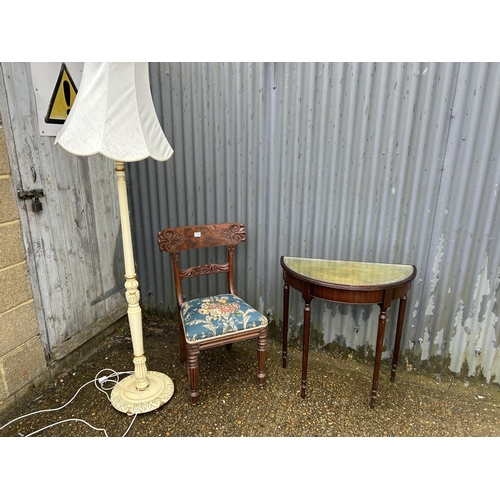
(131, 284)
(143, 391)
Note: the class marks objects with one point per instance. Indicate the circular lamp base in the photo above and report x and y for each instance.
(126, 398)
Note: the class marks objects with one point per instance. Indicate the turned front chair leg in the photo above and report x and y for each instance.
(192, 363)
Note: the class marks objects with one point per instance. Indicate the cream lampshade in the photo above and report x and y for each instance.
(113, 114)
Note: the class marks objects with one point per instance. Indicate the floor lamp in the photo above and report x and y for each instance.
(113, 114)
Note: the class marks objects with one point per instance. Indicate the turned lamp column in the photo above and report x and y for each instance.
(132, 293)
(145, 390)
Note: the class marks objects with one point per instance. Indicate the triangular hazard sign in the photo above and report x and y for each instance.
(62, 98)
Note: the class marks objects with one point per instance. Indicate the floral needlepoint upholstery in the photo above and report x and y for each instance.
(217, 316)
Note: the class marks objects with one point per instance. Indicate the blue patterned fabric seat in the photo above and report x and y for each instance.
(217, 316)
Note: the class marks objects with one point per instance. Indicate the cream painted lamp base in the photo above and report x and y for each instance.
(126, 398)
(143, 391)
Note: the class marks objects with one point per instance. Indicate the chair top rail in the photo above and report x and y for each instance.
(176, 239)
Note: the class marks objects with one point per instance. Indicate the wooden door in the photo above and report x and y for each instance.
(73, 245)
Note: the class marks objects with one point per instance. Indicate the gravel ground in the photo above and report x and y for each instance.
(231, 403)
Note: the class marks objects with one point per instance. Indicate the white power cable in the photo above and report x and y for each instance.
(62, 422)
(113, 377)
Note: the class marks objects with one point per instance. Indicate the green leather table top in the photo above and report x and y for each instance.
(349, 273)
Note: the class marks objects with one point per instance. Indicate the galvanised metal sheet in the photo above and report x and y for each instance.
(215, 114)
(458, 327)
(359, 161)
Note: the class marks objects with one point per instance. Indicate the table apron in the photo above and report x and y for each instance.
(347, 296)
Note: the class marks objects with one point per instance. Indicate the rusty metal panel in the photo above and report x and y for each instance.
(360, 161)
(458, 328)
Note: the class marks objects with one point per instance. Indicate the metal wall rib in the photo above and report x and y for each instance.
(362, 161)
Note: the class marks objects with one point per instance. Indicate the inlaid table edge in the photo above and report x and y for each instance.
(342, 286)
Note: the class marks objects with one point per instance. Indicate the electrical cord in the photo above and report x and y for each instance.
(99, 382)
(64, 421)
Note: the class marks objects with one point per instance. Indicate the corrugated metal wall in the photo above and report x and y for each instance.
(391, 162)
(459, 304)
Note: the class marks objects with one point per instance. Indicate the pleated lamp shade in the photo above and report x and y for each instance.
(113, 114)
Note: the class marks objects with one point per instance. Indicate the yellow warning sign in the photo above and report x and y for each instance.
(62, 98)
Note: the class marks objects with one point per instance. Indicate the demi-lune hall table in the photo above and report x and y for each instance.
(347, 282)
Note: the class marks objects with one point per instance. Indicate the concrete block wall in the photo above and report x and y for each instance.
(22, 358)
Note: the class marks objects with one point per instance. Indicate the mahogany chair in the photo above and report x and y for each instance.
(218, 319)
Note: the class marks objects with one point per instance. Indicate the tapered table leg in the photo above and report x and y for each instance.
(286, 295)
(378, 354)
(305, 346)
(397, 342)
